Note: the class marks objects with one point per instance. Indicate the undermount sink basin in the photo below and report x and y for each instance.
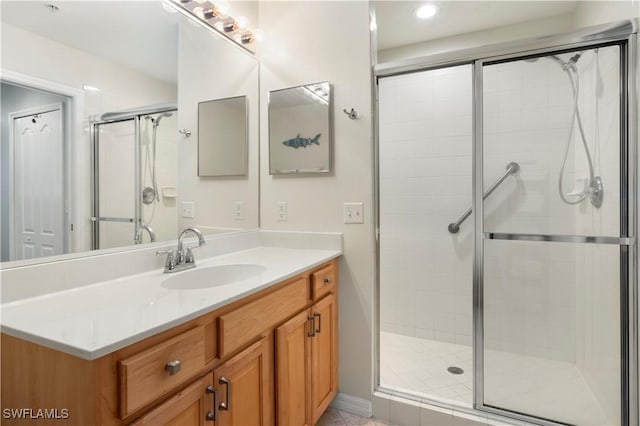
(212, 276)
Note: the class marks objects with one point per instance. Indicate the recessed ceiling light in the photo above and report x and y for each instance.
(427, 11)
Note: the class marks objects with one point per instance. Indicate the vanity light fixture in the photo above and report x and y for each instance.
(215, 15)
(426, 11)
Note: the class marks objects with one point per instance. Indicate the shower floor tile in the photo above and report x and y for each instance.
(518, 382)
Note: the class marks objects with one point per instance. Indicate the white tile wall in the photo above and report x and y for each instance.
(425, 182)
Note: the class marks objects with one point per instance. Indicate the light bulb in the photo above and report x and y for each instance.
(199, 12)
(224, 7)
(242, 21)
(258, 34)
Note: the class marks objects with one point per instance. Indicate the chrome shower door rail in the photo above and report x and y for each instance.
(512, 168)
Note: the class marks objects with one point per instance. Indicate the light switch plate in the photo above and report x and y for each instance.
(282, 211)
(238, 210)
(188, 209)
(353, 212)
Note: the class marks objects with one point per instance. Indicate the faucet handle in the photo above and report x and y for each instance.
(188, 257)
(169, 263)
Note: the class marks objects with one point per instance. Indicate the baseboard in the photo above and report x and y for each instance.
(352, 404)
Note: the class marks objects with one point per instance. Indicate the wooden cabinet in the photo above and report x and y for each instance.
(324, 355)
(244, 387)
(293, 369)
(270, 358)
(307, 363)
(235, 393)
(191, 406)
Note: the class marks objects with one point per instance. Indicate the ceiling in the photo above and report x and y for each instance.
(397, 25)
(138, 34)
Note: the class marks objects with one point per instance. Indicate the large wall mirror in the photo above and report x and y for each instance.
(100, 127)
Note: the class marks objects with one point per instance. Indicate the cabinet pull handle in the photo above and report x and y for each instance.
(313, 326)
(212, 415)
(173, 367)
(327, 281)
(317, 315)
(226, 406)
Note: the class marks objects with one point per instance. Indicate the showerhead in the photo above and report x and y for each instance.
(156, 121)
(566, 66)
(574, 59)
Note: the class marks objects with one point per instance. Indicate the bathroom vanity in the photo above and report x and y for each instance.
(261, 351)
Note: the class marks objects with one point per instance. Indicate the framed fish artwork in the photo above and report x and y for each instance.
(300, 129)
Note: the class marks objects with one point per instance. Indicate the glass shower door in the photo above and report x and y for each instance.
(551, 290)
(114, 184)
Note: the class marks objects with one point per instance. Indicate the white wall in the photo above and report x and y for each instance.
(523, 30)
(309, 42)
(120, 88)
(586, 13)
(211, 68)
(589, 13)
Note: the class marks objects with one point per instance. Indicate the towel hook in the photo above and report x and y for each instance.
(351, 114)
(185, 132)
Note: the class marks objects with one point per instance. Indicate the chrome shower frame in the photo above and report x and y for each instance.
(94, 134)
(624, 34)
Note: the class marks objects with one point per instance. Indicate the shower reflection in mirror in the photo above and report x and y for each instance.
(135, 177)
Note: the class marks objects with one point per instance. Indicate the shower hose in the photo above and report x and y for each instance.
(574, 78)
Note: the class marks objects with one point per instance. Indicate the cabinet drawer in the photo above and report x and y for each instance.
(240, 326)
(148, 375)
(324, 281)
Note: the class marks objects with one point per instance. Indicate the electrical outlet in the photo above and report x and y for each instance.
(238, 210)
(188, 209)
(282, 211)
(353, 213)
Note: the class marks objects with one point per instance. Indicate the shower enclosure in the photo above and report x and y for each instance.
(507, 216)
(134, 177)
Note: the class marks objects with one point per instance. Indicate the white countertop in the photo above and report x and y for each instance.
(95, 320)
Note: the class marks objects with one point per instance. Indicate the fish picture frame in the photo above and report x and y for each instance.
(300, 129)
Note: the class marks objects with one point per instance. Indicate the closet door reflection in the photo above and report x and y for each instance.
(551, 299)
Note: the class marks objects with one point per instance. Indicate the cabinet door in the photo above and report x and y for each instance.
(188, 407)
(293, 358)
(324, 355)
(244, 387)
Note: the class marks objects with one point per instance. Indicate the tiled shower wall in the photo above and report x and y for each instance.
(425, 183)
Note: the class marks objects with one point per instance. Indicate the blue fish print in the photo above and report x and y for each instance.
(298, 142)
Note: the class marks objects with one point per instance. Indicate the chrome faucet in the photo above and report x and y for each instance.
(182, 259)
(137, 239)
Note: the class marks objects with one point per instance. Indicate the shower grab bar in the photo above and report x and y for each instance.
(112, 219)
(511, 169)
